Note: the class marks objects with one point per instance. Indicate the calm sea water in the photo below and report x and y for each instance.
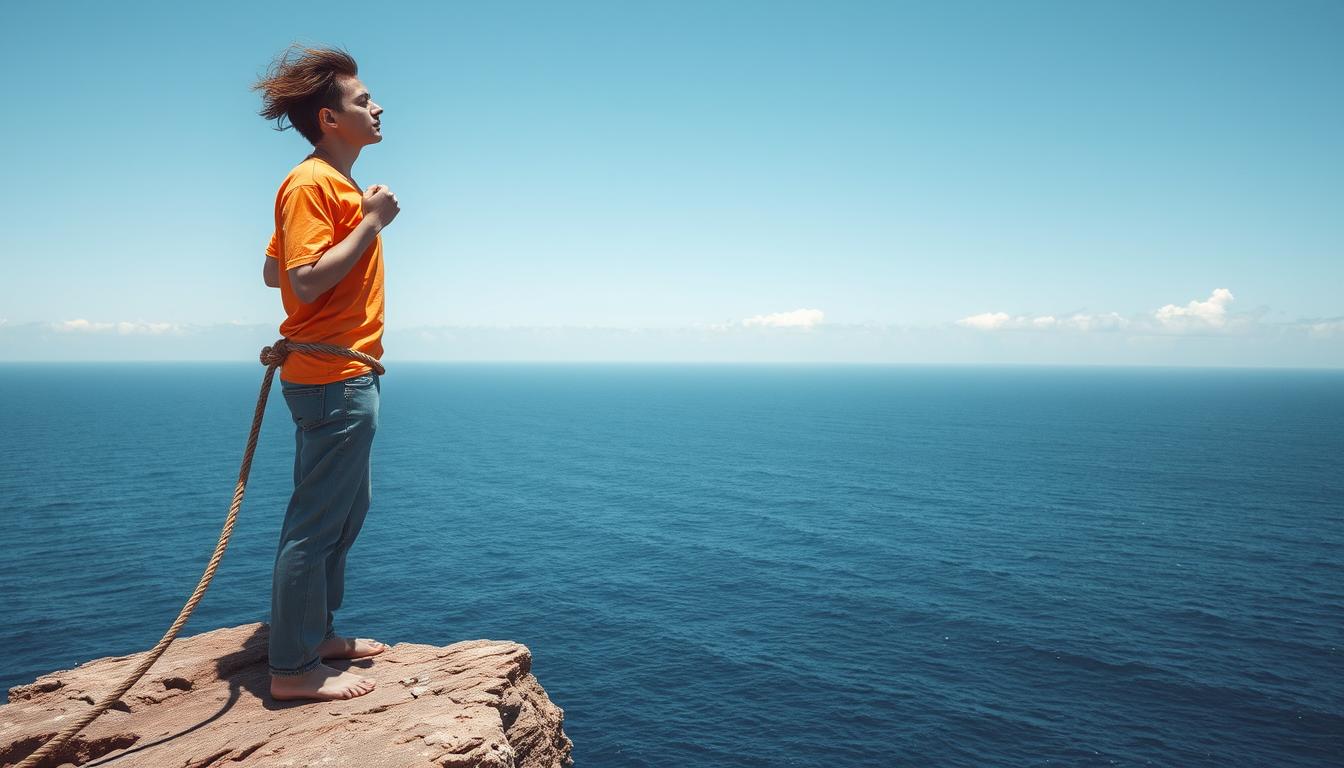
(751, 565)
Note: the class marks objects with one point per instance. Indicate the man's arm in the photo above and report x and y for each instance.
(313, 280)
(270, 272)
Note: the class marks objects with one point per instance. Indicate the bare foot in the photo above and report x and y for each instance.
(322, 683)
(346, 648)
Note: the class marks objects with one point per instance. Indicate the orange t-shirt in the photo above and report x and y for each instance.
(316, 208)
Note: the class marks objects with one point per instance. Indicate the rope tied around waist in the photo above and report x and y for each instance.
(275, 354)
(272, 357)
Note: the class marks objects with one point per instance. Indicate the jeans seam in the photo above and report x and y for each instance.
(307, 584)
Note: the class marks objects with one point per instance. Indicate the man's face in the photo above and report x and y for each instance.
(357, 123)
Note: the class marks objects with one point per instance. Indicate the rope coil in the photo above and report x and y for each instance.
(272, 357)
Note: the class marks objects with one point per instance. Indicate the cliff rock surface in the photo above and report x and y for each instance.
(207, 702)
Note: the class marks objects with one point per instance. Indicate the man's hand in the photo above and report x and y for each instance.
(380, 205)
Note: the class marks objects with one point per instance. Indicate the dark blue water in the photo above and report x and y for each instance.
(751, 566)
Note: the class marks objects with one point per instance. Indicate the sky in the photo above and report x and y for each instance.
(1139, 183)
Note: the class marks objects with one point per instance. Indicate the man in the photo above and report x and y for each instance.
(326, 257)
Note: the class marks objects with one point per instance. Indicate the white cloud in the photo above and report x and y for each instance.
(1211, 313)
(714, 327)
(81, 325)
(153, 329)
(1326, 329)
(1002, 321)
(123, 328)
(1111, 321)
(987, 321)
(798, 318)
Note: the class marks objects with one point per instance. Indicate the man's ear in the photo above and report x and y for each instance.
(326, 116)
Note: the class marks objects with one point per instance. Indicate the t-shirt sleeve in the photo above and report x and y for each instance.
(309, 228)
(273, 248)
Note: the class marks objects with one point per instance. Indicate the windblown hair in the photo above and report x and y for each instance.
(300, 82)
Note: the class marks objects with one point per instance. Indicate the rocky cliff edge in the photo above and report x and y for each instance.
(206, 704)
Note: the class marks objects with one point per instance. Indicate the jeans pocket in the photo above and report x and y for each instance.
(307, 404)
(360, 388)
(361, 399)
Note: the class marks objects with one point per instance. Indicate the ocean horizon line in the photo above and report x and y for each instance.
(730, 363)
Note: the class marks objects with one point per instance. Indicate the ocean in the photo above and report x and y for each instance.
(750, 565)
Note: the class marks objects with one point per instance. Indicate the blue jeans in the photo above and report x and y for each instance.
(333, 437)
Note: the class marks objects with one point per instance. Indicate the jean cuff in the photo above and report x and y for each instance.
(295, 672)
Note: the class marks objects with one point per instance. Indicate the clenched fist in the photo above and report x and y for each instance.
(380, 205)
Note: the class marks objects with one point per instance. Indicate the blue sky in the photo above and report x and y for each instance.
(1040, 182)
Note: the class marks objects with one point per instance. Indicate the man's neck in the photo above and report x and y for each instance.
(341, 156)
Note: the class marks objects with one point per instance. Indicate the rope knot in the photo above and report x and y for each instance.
(275, 354)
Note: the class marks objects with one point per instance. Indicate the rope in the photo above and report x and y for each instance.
(272, 357)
